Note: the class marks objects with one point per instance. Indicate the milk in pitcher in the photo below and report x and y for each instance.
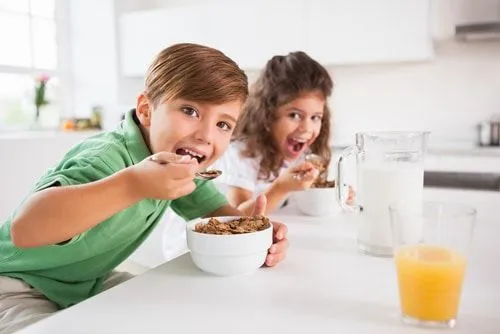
(381, 185)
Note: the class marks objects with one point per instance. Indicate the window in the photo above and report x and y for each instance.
(29, 49)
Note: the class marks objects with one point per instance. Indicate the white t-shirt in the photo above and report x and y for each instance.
(239, 171)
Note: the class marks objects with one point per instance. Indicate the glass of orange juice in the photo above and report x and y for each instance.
(431, 243)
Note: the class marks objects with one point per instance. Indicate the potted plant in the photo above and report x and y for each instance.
(40, 94)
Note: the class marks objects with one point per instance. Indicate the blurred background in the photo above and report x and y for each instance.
(71, 68)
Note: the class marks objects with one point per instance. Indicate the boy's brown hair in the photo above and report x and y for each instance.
(283, 79)
(197, 73)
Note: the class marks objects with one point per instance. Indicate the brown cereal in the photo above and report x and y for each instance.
(323, 184)
(236, 226)
(318, 165)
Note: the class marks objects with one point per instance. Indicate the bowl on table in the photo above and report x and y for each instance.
(319, 201)
(229, 246)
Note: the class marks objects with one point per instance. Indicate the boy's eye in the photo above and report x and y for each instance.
(190, 111)
(224, 126)
(294, 115)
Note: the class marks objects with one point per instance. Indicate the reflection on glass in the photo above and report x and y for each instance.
(21, 6)
(14, 96)
(16, 101)
(43, 8)
(44, 44)
(15, 40)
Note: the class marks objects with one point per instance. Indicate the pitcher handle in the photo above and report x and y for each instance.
(346, 153)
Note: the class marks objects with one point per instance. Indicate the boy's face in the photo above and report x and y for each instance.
(298, 124)
(185, 127)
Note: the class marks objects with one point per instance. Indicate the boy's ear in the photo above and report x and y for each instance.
(144, 110)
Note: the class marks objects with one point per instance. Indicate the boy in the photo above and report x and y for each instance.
(90, 212)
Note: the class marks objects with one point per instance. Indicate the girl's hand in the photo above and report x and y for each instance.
(351, 196)
(297, 178)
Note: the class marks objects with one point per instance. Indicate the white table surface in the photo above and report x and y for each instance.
(324, 286)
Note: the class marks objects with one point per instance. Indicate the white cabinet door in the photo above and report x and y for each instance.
(250, 32)
(254, 31)
(143, 34)
(360, 31)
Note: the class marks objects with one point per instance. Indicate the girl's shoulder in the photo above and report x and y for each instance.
(235, 159)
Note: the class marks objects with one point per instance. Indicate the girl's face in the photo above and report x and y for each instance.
(298, 124)
(189, 128)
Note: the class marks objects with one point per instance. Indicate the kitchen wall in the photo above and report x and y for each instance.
(447, 96)
(94, 65)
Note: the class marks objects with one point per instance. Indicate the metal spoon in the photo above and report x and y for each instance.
(205, 175)
(208, 174)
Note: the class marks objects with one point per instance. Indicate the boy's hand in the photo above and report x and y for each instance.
(297, 178)
(170, 179)
(277, 252)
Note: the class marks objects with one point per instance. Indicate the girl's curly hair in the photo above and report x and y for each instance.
(284, 79)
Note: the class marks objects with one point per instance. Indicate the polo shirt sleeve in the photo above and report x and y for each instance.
(203, 200)
(74, 171)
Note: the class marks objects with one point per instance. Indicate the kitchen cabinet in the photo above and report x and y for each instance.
(248, 32)
(333, 31)
(359, 31)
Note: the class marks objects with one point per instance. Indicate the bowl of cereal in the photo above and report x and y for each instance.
(319, 200)
(229, 246)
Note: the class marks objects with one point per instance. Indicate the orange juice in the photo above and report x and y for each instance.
(430, 280)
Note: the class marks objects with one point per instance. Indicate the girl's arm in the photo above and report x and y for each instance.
(242, 199)
(278, 191)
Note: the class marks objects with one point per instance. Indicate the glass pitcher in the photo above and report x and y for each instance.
(389, 169)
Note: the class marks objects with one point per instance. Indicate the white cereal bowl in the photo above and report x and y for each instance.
(228, 255)
(318, 202)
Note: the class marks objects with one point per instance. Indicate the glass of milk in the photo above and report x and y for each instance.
(390, 168)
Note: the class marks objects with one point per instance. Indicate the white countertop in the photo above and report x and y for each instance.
(324, 285)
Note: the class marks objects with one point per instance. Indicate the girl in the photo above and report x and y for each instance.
(285, 117)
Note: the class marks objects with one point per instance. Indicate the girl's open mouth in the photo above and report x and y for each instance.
(295, 145)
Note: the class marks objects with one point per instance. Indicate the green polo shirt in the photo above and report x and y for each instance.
(71, 272)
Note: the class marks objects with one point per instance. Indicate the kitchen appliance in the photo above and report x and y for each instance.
(488, 133)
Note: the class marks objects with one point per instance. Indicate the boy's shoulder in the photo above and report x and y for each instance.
(108, 147)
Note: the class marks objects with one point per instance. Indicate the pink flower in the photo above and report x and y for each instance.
(43, 78)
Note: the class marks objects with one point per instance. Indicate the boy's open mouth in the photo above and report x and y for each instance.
(295, 145)
(186, 151)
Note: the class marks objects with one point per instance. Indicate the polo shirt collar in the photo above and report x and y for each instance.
(134, 140)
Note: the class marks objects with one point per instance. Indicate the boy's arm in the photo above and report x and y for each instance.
(57, 214)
